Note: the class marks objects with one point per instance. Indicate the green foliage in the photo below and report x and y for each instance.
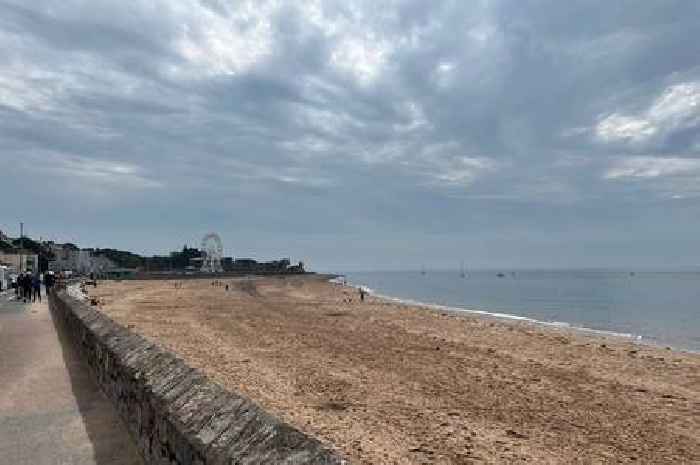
(121, 258)
(180, 260)
(30, 244)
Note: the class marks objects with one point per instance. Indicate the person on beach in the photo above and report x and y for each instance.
(36, 287)
(362, 294)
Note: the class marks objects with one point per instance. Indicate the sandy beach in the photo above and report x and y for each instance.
(387, 383)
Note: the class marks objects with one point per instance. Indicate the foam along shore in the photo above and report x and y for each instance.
(501, 316)
(392, 383)
(563, 325)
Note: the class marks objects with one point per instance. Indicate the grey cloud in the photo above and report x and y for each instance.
(376, 123)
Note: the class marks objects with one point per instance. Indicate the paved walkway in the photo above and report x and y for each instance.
(51, 412)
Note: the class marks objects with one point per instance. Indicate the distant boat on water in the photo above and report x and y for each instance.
(501, 275)
(422, 269)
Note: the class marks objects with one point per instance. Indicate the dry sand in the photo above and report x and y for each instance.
(393, 384)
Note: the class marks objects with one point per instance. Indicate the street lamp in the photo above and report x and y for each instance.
(21, 244)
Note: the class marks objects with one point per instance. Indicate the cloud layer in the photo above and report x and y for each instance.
(357, 134)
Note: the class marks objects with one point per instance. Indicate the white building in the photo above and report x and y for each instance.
(4, 277)
(79, 261)
(65, 258)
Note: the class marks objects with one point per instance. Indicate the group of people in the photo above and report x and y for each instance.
(28, 286)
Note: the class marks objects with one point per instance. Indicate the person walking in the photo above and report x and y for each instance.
(48, 281)
(36, 287)
(20, 286)
(27, 287)
(22, 280)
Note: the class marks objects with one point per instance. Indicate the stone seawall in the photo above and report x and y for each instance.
(176, 415)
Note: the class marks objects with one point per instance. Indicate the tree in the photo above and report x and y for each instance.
(181, 260)
(121, 258)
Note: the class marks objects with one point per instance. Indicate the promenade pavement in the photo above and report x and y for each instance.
(51, 412)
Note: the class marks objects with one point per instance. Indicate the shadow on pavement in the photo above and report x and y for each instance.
(110, 439)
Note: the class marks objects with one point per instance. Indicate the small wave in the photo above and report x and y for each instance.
(341, 280)
(499, 315)
(602, 332)
(561, 324)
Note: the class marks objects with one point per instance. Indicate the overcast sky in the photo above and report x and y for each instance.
(357, 134)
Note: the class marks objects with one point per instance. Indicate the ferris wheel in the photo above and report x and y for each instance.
(213, 251)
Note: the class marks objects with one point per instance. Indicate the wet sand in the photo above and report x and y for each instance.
(387, 383)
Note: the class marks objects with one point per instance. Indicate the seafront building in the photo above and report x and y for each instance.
(190, 260)
(4, 278)
(251, 266)
(67, 257)
(40, 256)
(16, 258)
(248, 265)
(19, 260)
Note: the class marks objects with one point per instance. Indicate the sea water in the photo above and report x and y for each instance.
(661, 308)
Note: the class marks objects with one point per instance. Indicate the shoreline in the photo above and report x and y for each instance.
(642, 340)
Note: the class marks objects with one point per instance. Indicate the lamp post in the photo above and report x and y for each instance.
(21, 244)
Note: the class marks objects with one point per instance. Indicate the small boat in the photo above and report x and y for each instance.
(422, 270)
(501, 275)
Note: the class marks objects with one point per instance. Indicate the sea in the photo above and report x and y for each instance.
(659, 308)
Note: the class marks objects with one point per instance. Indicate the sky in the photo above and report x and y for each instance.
(357, 135)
